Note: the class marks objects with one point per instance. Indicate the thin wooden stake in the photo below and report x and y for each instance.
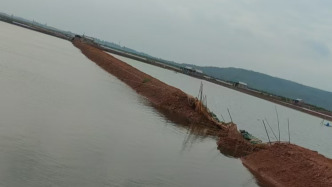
(223, 119)
(271, 129)
(230, 115)
(206, 101)
(200, 93)
(266, 132)
(278, 122)
(288, 132)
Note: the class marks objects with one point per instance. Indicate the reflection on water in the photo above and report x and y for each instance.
(194, 133)
(66, 122)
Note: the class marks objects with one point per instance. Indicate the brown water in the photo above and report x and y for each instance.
(66, 122)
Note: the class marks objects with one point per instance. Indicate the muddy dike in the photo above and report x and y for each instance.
(279, 164)
(162, 96)
(284, 164)
(168, 100)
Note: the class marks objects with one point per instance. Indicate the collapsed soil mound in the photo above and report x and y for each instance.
(284, 164)
(231, 143)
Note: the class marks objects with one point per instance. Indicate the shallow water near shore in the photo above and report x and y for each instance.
(66, 122)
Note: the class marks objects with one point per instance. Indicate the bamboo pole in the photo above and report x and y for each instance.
(230, 115)
(271, 129)
(278, 122)
(288, 132)
(266, 132)
(222, 118)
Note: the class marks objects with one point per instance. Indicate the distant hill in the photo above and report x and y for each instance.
(272, 85)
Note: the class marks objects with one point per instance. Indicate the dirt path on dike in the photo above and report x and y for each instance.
(276, 165)
(160, 95)
(290, 165)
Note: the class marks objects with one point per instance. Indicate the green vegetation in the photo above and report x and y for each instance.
(145, 80)
(214, 116)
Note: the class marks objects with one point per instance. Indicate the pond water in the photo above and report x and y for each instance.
(66, 122)
(248, 111)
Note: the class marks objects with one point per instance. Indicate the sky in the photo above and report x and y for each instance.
(282, 38)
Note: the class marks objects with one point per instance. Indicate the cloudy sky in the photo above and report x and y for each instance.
(282, 38)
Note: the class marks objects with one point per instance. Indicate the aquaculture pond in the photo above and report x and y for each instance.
(66, 122)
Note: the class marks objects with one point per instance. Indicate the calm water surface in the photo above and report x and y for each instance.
(66, 122)
(248, 111)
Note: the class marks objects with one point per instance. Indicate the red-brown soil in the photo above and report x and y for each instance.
(276, 165)
(233, 144)
(290, 165)
(167, 98)
(161, 95)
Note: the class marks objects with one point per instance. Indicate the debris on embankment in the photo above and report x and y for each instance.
(233, 144)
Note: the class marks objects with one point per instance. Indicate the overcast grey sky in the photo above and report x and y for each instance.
(282, 38)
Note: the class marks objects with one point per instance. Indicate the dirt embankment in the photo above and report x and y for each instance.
(160, 95)
(289, 165)
(276, 165)
(168, 99)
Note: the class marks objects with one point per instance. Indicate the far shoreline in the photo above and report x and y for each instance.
(326, 115)
(245, 91)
